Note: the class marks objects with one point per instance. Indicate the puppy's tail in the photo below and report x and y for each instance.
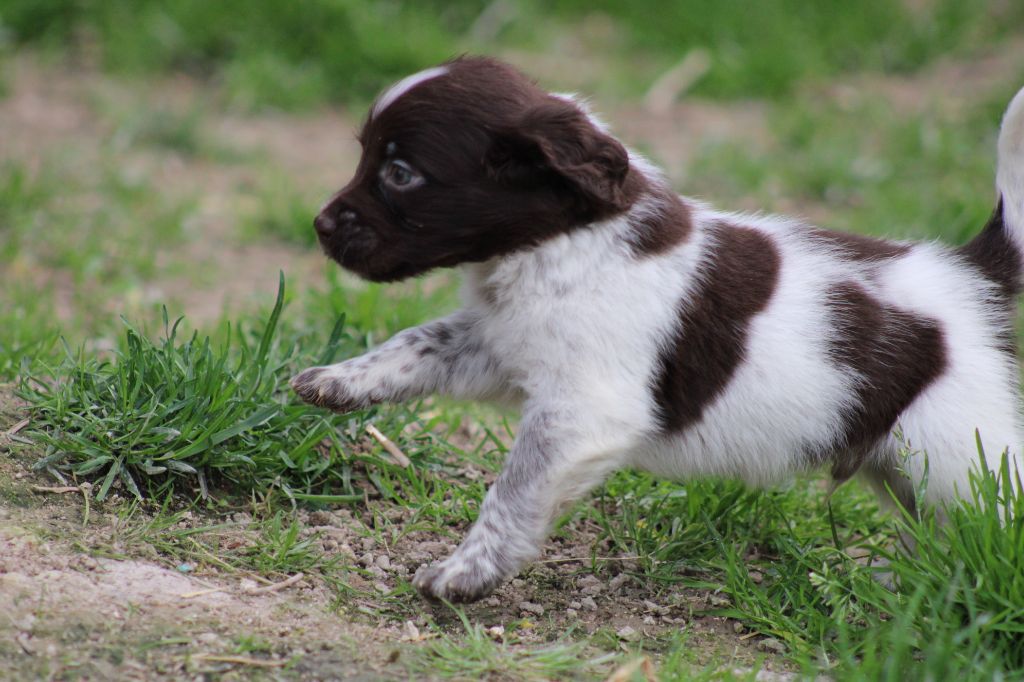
(998, 250)
(1010, 173)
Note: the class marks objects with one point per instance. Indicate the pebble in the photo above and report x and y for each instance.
(772, 646)
(654, 608)
(321, 518)
(575, 605)
(719, 600)
(530, 607)
(366, 560)
(571, 613)
(588, 603)
(628, 634)
(368, 544)
(384, 561)
(617, 582)
(411, 632)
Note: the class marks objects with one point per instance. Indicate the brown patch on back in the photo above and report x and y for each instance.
(710, 341)
(894, 354)
(665, 224)
(858, 247)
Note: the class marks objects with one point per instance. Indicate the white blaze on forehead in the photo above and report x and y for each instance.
(405, 85)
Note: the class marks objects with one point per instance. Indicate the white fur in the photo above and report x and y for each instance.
(405, 85)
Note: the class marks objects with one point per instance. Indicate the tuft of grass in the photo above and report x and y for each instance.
(174, 415)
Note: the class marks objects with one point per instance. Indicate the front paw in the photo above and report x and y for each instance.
(320, 386)
(456, 580)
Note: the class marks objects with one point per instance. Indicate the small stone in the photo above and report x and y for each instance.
(617, 582)
(25, 622)
(588, 603)
(756, 577)
(384, 562)
(366, 560)
(655, 608)
(248, 586)
(649, 620)
(493, 601)
(571, 613)
(575, 605)
(496, 632)
(410, 632)
(321, 518)
(208, 637)
(719, 600)
(771, 645)
(530, 607)
(381, 587)
(628, 634)
(737, 627)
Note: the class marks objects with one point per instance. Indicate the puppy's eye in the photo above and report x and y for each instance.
(400, 175)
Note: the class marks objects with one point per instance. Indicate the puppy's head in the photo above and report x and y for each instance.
(467, 161)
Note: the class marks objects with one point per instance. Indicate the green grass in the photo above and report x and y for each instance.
(346, 50)
(186, 414)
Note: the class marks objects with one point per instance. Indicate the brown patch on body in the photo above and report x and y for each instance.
(710, 341)
(895, 356)
(664, 224)
(994, 255)
(858, 247)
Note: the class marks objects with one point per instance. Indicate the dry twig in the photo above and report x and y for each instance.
(393, 450)
(239, 660)
(277, 586)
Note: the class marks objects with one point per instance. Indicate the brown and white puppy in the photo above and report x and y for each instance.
(640, 328)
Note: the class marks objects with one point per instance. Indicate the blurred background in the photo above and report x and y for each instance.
(155, 152)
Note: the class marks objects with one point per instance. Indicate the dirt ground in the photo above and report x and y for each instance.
(80, 600)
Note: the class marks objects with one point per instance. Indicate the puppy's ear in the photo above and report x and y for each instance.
(556, 137)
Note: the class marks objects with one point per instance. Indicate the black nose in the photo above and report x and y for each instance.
(325, 223)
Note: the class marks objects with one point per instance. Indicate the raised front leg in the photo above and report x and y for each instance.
(443, 356)
(554, 461)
